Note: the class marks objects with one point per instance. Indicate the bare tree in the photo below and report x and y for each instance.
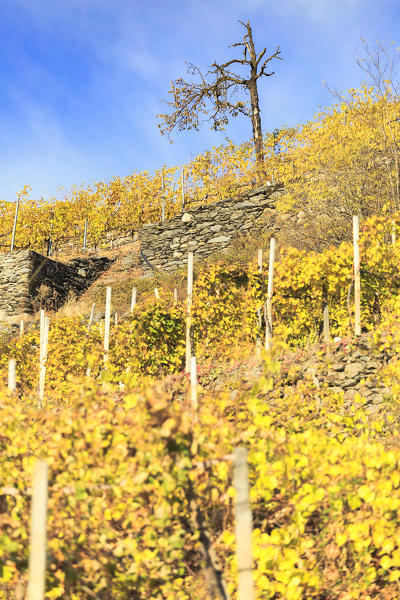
(380, 64)
(214, 94)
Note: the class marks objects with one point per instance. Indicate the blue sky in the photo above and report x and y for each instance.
(82, 80)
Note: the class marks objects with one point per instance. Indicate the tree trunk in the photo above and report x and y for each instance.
(255, 105)
(256, 124)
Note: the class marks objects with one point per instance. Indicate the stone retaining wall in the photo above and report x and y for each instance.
(29, 281)
(351, 367)
(206, 229)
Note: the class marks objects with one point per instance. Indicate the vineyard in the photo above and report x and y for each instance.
(141, 497)
(358, 175)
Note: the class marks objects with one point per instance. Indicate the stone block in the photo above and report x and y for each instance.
(187, 217)
(29, 280)
(219, 239)
(244, 204)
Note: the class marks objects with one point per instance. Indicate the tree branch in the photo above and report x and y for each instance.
(213, 94)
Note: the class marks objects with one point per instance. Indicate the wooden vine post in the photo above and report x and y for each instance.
(357, 283)
(260, 260)
(326, 324)
(133, 299)
(268, 316)
(37, 549)
(91, 317)
(259, 311)
(12, 376)
(243, 525)
(43, 341)
(183, 188)
(193, 387)
(85, 235)
(189, 313)
(15, 224)
(163, 197)
(107, 319)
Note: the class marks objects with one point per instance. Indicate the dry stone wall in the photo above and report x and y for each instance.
(29, 280)
(352, 367)
(349, 367)
(206, 229)
(15, 270)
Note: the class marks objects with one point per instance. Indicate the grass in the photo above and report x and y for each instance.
(242, 251)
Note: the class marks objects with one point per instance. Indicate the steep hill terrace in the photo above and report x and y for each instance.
(29, 280)
(206, 229)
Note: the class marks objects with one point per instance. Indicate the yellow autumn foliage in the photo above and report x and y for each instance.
(136, 483)
(343, 162)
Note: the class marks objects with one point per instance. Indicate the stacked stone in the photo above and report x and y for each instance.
(83, 271)
(350, 367)
(29, 281)
(121, 240)
(356, 371)
(15, 269)
(206, 229)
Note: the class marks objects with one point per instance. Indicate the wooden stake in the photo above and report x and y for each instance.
(44, 337)
(12, 377)
(243, 525)
(193, 387)
(268, 328)
(259, 311)
(15, 224)
(133, 299)
(91, 315)
(107, 319)
(157, 293)
(85, 235)
(189, 312)
(357, 282)
(175, 296)
(37, 550)
(183, 188)
(326, 324)
(41, 331)
(260, 260)
(163, 197)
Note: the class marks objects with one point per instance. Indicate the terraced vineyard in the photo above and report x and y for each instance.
(140, 486)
